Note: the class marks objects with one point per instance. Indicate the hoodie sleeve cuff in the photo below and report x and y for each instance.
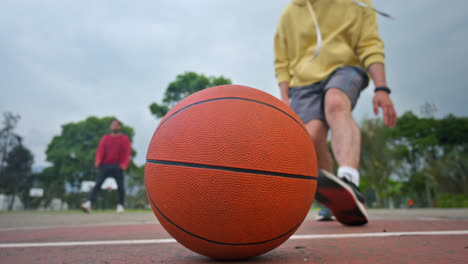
(283, 77)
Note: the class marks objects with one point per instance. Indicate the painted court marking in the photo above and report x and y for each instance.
(170, 240)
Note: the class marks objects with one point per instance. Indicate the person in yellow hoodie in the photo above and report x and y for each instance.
(325, 52)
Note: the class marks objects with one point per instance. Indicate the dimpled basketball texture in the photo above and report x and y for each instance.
(231, 172)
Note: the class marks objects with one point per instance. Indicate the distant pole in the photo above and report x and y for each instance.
(428, 110)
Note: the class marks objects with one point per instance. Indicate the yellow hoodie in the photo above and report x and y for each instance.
(349, 37)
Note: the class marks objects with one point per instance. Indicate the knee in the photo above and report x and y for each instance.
(336, 103)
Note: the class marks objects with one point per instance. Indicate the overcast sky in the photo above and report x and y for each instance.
(62, 61)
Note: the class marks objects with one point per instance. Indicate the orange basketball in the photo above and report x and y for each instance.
(231, 172)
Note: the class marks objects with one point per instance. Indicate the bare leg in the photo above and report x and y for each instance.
(346, 135)
(318, 131)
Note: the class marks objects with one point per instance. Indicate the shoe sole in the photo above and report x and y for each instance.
(340, 198)
(324, 219)
(86, 210)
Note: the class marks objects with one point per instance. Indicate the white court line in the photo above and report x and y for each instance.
(79, 226)
(170, 240)
(382, 234)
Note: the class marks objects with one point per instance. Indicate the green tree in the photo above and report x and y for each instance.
(15, 161)
(8, 139)
(53, 184)
(452, 132)
(377, 163)
(421, 158)
(72, 153)
(434, 153)
(185, 85)
(17, 177)
(417, 140)
(450, 170)
(136, 186)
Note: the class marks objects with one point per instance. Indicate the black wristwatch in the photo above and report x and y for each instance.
(383, 88)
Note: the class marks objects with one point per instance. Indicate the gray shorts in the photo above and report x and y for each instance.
(308, 101)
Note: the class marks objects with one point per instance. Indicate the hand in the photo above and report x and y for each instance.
(286, 101)
(97, 164)
(382, 100)
(123, 167)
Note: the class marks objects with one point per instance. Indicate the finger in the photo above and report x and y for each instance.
(386, 114)
(394, 116)
(391, 116)
(376, 108)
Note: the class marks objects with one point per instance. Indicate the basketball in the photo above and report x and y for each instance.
(231, 172)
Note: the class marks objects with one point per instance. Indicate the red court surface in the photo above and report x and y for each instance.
(407, 239)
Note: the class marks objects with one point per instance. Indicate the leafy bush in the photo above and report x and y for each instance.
(452, 201)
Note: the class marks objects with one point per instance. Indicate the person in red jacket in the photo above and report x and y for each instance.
(112, 159)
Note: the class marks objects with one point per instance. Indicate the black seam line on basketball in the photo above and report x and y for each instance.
(217, 242)
(232, 169)
(234, 98)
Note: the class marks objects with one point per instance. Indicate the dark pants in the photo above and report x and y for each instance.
(105, 171)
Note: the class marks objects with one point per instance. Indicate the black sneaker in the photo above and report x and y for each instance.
(342, 197)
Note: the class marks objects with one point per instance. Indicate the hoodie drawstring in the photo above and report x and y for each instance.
(373, 9)
(317, 28)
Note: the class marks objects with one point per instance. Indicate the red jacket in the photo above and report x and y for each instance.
(114, 150)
